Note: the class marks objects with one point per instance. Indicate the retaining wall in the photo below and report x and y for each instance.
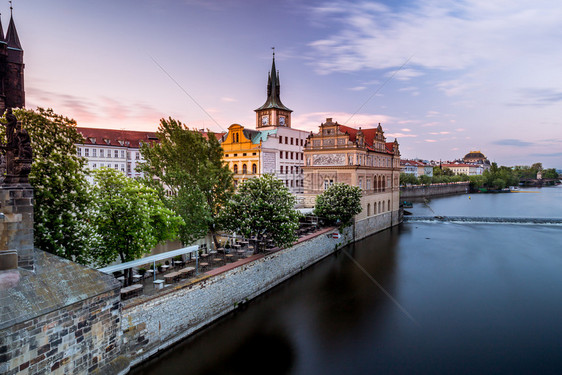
(420, 191)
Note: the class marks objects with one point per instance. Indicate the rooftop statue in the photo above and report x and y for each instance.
(17, 155)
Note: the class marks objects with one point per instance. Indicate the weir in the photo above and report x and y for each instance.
(488, 220)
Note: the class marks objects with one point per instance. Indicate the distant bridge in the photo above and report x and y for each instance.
(488, 220)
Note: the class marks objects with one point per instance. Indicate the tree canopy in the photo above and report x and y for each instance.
(130, 217)
(263, 206)
(62, 200)
(340, 202)
(189, 166)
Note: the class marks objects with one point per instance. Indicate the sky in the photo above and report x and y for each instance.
(442, 77)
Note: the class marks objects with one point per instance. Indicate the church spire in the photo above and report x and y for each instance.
(273, 90)
(12, 34)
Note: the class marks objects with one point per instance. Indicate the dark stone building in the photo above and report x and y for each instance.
(12, 94)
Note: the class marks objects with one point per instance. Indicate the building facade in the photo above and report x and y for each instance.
(466, 169)
(12, 92)
(275, 147)
(357, 157)
(118, 149)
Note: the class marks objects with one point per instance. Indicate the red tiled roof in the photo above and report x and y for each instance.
(369, 135)
(113, 137)
(122, 138)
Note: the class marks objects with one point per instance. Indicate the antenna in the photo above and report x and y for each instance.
(10, 7)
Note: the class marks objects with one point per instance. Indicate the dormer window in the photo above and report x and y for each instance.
(92, 140)
(106, 140)
(121, 142)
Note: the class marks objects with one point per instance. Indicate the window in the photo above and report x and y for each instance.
(328, 183)
(388, 205)
(79, 151)
(94, 152)
(128, 155)
(244, 169)
(291, 183)
(116, 167)
(116, 154)
(291, 140)
(244, 154)
(235, 168)
(137, 155)
(287, 142)
(254, 154)
(123, 154)
(254, 169)
(360, 183)
(122, 167)
(280, 139)
(281, 170)
(94, 166)
(101, 153)
(368, 209)
(291, 169)
(86, 152)
(301, 142)
(286, 154)
(280, 154)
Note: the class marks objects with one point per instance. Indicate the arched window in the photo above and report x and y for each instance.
(235, 168)
(368, 209)
(388, 205)
(244, 169)
(254, 168)
(375, 208)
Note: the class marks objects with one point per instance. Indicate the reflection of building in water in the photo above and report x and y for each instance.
(274, 148)
(357, 157)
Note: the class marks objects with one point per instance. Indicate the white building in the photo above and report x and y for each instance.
(118, 149)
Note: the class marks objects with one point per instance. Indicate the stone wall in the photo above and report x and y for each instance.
(373, 224)
(76, 339)
(420, 191)
(155, 323)
(61, 318)
(16, 222)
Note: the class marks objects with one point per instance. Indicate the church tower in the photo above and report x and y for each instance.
(273, 112)
(12, 93)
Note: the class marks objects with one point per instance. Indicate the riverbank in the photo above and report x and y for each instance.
(433, 190)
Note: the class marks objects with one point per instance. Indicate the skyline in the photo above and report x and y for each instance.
(474, 76)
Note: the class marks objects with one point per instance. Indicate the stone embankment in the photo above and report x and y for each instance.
(433, 190)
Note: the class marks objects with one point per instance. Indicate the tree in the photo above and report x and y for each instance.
(130, 218)
(550, 173)
(408, 178)
(190, 166)
(62, 200)
(340, 202)
(263, 206)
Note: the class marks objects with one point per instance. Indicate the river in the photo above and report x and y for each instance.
(420, 298)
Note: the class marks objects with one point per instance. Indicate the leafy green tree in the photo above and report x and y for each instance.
(62, 207)
(190, 167)
(340, 202)
(408, 178)
(130, 217)
(425, 180)
(550, 173)
(263, 206)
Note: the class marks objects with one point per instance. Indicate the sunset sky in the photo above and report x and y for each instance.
(443, 77)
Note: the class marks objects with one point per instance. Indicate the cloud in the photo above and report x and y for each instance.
(357, 88)
(512, 142)
(228, 100)
(538, 97)
(551, 155)
(430, 140)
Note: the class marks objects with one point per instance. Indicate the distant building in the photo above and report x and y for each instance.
(357, 157)
(118, 149)
(475, 157)
(466, 169)
(274, 147)
(12, 93)
(416, 167)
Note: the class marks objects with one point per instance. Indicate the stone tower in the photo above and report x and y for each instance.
(273, 112)
(12, 94)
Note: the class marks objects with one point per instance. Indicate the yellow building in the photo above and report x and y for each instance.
(275, 148)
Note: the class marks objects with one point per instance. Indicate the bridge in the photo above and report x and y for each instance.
(483, 220)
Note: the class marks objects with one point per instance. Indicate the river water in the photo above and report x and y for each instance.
(420, 298)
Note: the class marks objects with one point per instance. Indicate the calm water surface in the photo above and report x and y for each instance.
(482, 298)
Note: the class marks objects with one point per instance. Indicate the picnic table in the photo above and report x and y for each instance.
(171, 277)
(186, 272)
(131, 291)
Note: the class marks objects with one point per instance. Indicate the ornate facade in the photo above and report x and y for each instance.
(357, 157)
